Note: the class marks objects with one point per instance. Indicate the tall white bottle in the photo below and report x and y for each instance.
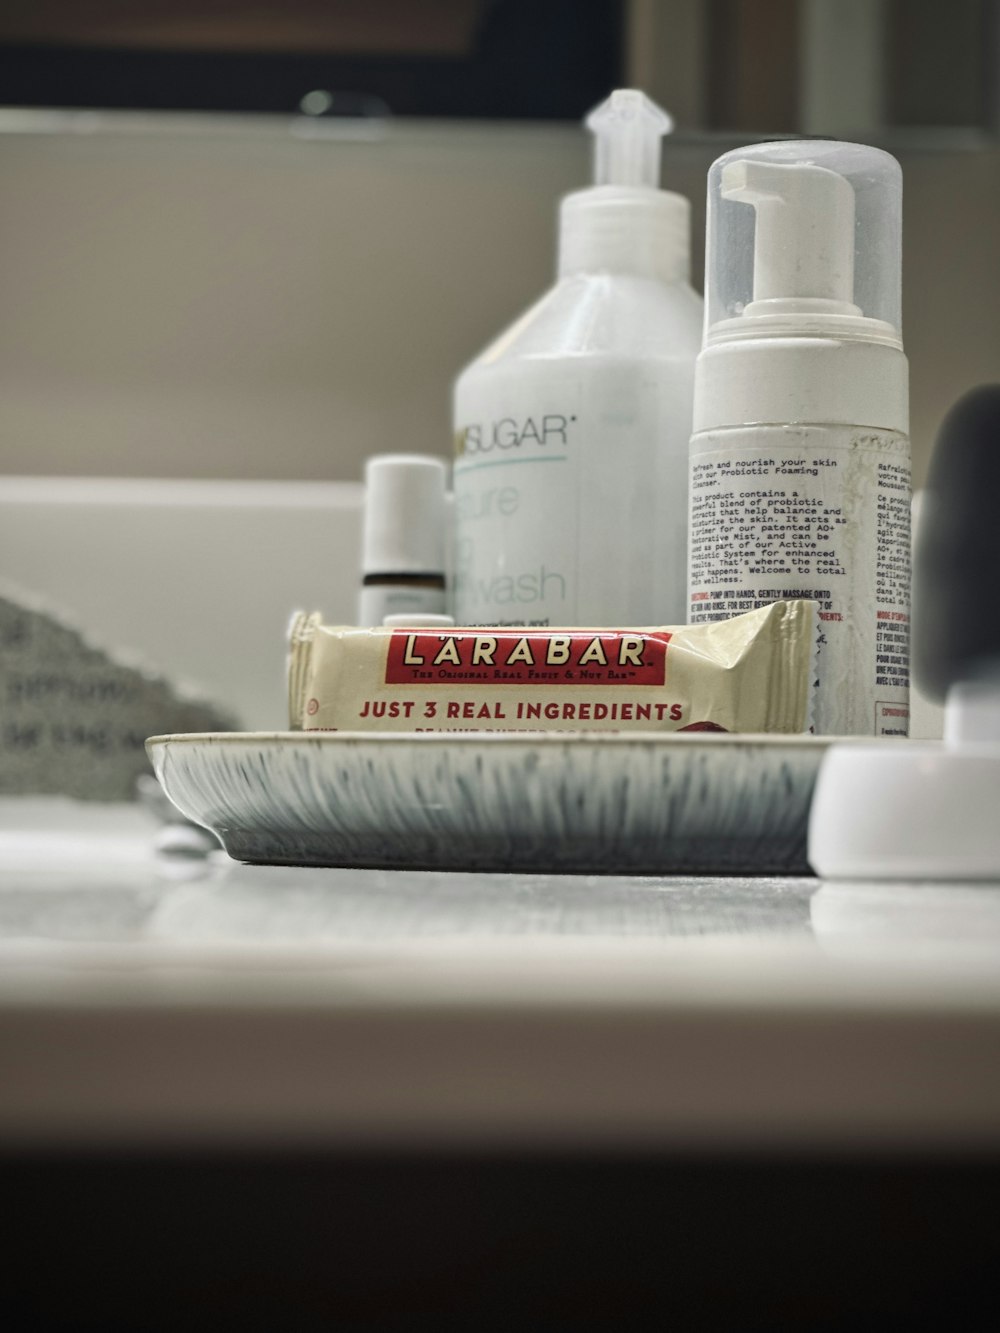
(571, 430)
(800, 458)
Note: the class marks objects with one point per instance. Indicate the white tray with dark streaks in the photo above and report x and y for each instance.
(567, 802)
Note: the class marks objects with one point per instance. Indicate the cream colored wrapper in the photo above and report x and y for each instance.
(755, 673)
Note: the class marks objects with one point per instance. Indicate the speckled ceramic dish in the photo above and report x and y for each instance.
(639, 804)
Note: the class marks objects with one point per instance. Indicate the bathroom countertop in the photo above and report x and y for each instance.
(157, 1000)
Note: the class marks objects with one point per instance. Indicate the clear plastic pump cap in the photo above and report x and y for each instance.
(804, 239)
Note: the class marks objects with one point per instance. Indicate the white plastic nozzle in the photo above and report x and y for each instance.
(627, 130)
(624, 223)
(804, 235)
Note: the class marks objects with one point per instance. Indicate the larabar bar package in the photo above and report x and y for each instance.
(751, 674)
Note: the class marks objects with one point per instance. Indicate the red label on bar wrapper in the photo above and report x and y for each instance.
(612, 657)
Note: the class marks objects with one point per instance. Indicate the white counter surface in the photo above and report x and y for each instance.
(155, 1001)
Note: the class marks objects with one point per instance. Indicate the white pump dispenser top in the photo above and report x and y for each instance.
(803, 261)
(627, 131)
(624, 223)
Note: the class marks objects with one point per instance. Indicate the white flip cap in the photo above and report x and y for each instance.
(804, 238)
(404, 527)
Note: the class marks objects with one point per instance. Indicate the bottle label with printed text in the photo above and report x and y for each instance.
(821, 513)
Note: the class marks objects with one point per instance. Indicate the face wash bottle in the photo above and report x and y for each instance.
(800, 458)
(571, 429)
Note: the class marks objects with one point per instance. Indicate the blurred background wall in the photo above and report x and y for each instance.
(275, 296)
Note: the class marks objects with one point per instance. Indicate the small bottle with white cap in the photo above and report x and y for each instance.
(404, 535)
(800, 458)
(571, 429)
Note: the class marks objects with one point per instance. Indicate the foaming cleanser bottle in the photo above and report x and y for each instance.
(571, 429)
(800, 457)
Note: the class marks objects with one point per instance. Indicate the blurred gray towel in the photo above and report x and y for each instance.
(73, 716)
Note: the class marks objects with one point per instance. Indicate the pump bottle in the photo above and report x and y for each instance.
(800, 458)
(571, 429)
